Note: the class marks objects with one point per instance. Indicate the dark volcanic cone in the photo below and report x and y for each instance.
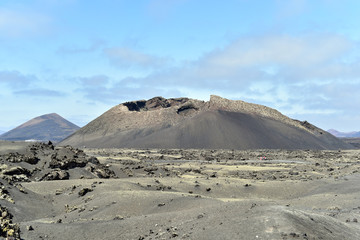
(49, 127)
(189, 123)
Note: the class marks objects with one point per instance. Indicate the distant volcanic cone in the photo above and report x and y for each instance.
(188, 123)
(48, 127)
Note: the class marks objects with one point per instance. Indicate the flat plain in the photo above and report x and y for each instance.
(182, 194)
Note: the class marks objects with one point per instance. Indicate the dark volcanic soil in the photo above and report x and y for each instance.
(188, 123)
(180, 194)
(353, 141)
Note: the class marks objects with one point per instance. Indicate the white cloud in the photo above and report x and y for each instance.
(299, 75)
(300, 52)
(94, 81)
(129, 58)
(40, 92)
(18, 23)
(95, 45)
(15, 79)
(101, 89)
(276, 59)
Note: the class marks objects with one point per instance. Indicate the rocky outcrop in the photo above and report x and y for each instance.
(154, 103)
(39, 162)
(17, 170)
(55, 175)
(51, 164)
(67, 158)
(8, 230)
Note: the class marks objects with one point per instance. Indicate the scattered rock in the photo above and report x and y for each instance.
(29, 228)
(4, 194)
(118, 217)
(69, 209)
(102, 171)
(59, 191)
(56, 175)
(84, 191)
(93, 160)
(16, 171)
(292, 234)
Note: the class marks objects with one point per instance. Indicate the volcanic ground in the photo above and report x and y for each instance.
(53, 192)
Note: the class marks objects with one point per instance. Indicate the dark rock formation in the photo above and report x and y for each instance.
(44, 162)
(8, 230)
(84, 191)
(17, 170)
(154, 104)
(56, 175)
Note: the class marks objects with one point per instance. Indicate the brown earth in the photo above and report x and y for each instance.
(181, 194)
(188, 123)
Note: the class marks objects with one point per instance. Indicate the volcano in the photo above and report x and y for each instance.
(189, 123)
(48, 127)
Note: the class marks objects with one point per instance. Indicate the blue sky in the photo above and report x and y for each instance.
(79, 58)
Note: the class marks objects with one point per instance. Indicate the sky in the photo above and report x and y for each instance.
(79, 58)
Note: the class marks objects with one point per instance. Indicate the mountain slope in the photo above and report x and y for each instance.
(47, 127)
(189, 123)
(344, 134)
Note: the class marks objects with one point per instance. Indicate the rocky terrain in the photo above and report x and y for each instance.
(188, 123)
(23, 162)
(51, 192)
(48, 127)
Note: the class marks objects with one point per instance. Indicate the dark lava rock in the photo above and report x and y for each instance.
(50, 163)
(118, 217)
(184, 109)
(29, 228)
(68, 157)
(56, 175)
(31, 159)
(13, 157)
(65, 163)
(16, 171)
(17, 157)
(8, 229)
(154, 103)
(102, 171)
(84, 191)
(93, 160)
